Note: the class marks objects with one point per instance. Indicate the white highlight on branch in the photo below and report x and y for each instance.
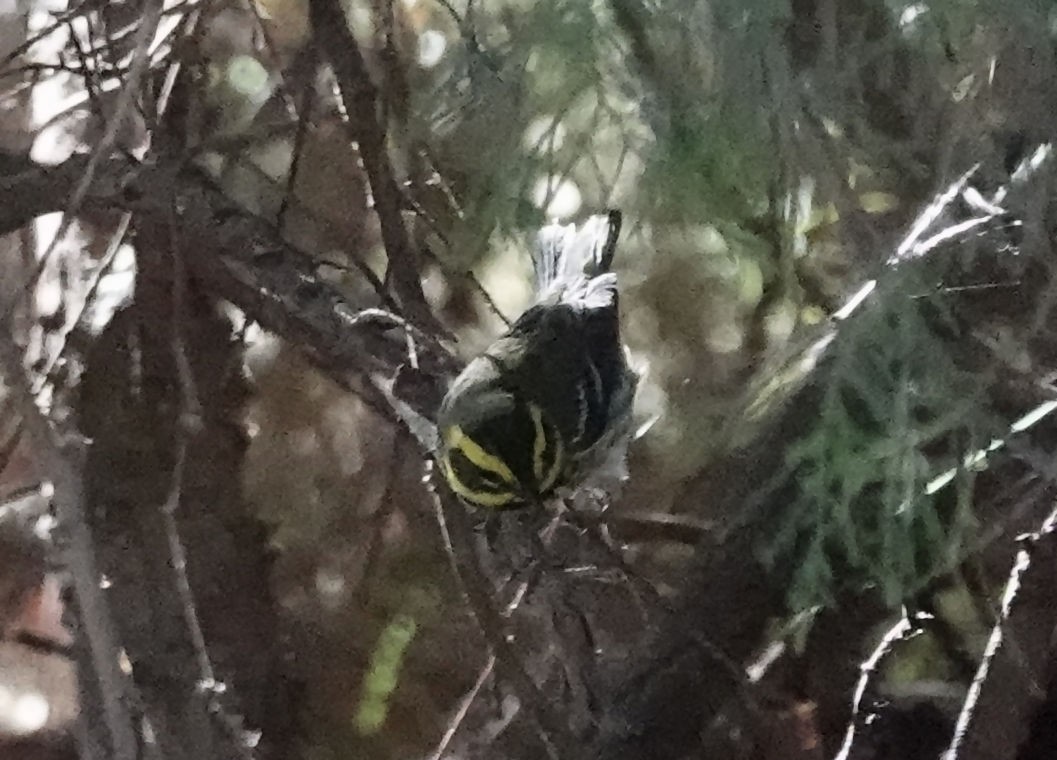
(896, 633)
(979, 457)
(994, 643)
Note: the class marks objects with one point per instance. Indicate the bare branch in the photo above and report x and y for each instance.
(464, 707)
(331, 28)
(870, 673)
(241, 258)
(457, 533)
(29, 190)
(113, 735)
(995, 718)
(102, 149)
(190, 418)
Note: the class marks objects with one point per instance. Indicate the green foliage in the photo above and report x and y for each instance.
(895, 404)
(663, 110)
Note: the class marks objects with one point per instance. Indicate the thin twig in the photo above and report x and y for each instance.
(61, 20)
(107, 261)
(467, 275)
(464, 707)
(189, 419)
(275, 61)
(995, 717)
(303, 113)
(101, 151)
(115, 734)
(457, 533)
(331, 28)
(870, 671)
(383, 512)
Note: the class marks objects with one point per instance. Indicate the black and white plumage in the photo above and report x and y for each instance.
(549, 403)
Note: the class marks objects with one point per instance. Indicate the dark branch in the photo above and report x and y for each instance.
(104, 688)
(996, 716)
(331, 28)
(240, 258)
(552, 728)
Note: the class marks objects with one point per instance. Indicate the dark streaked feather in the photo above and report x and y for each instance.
(582, 413)
(553, 395)
(597, 402)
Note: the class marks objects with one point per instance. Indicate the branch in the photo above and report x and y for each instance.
(240, 258)
(551, 726)
(995, 718)
(684, 681)
(191, 417)
(112, 734)
(463, 708)
(871, 671)
(28, 190)
(331, 28)
(729, 593)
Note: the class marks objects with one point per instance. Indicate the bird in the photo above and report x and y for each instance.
(547, 406)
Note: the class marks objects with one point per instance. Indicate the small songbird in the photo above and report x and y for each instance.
(548, 404)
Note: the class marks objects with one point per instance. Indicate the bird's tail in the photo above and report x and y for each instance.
(565, 254)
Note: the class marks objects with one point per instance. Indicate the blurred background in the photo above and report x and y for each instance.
(769, 156)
